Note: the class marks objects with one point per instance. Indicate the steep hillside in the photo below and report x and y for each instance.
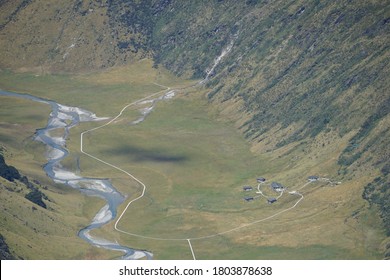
(59, 35)
(314, 66)
(293, 71)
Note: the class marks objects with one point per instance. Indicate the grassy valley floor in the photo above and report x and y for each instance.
(194, 165)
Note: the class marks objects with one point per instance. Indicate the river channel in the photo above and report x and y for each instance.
(63, 118)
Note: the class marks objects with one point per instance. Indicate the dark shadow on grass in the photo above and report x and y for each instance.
(141, 154)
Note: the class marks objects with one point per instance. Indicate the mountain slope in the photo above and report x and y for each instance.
(59, 36)
(294, 70)
(285, 56)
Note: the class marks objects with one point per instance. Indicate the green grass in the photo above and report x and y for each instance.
(194, 165)
(190, 162)
(31, 231)
(116, 86)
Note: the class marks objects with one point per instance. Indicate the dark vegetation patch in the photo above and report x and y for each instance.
(36, 197)
(133, 24)
(8, 172)
(354, 151)
(378, 193)
(5, 254)
(11, 174)
(21, 5)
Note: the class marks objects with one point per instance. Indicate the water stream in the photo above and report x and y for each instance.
(64, 118)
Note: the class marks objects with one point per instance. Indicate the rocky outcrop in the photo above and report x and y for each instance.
(5, 254)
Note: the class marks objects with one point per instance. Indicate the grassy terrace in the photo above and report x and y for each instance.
(194, 166)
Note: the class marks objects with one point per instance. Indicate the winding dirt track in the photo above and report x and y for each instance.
(188, 239)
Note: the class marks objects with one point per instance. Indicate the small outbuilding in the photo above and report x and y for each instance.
(247, 188)
(271, 200)
(248, 198)
(313, 178)
(277, 187)
(261, 180)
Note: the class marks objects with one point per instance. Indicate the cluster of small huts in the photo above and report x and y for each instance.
(277, 187)
(274, 185)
